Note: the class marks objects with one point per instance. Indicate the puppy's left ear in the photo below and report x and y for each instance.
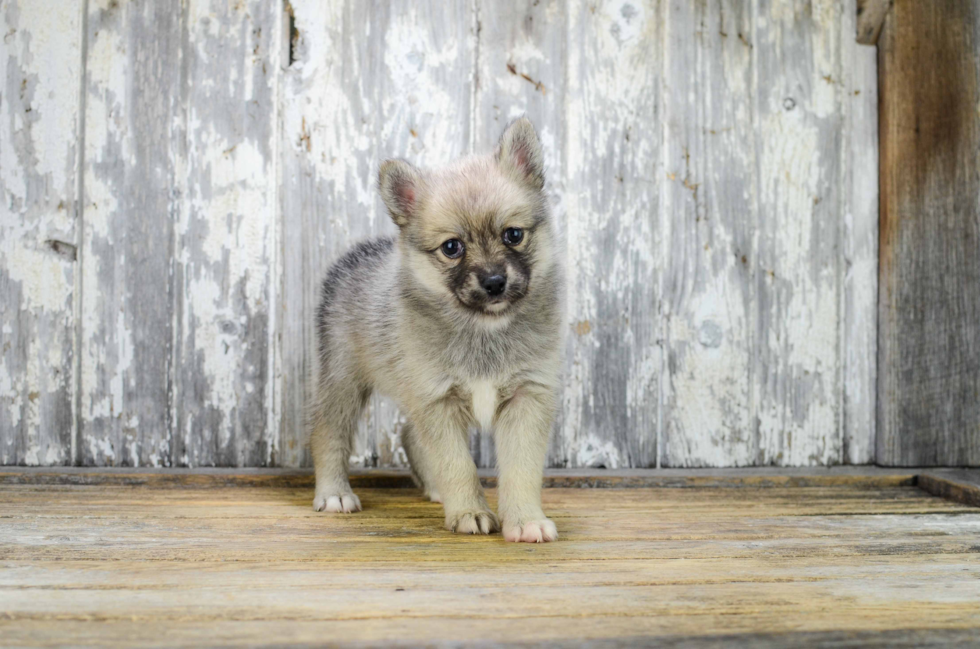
(520, 153)
(401, 190)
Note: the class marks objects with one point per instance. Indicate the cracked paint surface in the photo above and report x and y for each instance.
(40, 55)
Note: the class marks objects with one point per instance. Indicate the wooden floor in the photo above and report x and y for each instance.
(879, 563)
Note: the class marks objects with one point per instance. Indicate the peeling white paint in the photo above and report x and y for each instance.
(41, 62)
(797, 378)
(859, 314)
(226, 235)
(590, 451)
(45, 278)
(611, 221)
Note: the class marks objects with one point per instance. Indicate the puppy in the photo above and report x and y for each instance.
(458, 319)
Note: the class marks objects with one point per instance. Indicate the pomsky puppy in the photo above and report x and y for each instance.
(459, 320)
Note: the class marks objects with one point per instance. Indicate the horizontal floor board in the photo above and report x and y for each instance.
(223, 575)
(832, 628)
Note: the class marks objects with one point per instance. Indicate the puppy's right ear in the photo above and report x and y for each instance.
(401, 190)
(520, 152)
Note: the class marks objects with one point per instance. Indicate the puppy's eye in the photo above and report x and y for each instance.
(452, 248)
(513, 236)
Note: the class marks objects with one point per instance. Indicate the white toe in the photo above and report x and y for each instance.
(479, 522)
(350, 503)
(346, 503)
(539, 531)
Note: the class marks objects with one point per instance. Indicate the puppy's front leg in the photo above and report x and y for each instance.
(440, 448)
(521, 433)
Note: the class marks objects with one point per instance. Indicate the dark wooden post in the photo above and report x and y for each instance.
(929, 284)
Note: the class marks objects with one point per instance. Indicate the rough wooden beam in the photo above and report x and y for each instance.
(929, 228)
(960, 486)
(870, 18)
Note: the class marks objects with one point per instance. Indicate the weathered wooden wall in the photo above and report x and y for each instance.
(929, 393)
(178, 174)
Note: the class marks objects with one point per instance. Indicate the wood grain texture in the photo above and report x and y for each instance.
(132, 145)
(223, 397)
(613, 363)
(859, 210)
(240, 633)
(709, 194)
(41, 57)
(796, 378)
(929, 301)
(105, 565)
(771, 218)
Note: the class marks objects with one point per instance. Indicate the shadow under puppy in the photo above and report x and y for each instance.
(458, 319)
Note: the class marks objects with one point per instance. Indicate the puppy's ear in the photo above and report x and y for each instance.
(401, 190)
(520, 153)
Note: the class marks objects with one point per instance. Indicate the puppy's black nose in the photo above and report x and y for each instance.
(494, 285)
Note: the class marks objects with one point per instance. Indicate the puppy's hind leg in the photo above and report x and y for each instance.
(421, 475)
(333, 423)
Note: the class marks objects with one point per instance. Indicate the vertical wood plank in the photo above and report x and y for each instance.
(39, 120)
(426, 105)
(226, 235)
(365, 82)
(859, 196)
(326, 128)
(798, 275)
(929, 282)
(521, 71)
(613, 171)
(709, 196)
(131, 145)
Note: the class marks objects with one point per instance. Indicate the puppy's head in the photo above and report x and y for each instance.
(475, 233)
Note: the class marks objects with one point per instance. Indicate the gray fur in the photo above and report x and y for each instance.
(402, 317)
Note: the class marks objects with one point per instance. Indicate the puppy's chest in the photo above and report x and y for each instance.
(484, 398)
(492, 355)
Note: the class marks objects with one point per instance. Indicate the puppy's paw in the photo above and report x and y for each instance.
(336, 500)
(472, 522)
(541, 530)
(434, 496)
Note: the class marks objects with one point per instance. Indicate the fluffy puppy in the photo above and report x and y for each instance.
(458, 319)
